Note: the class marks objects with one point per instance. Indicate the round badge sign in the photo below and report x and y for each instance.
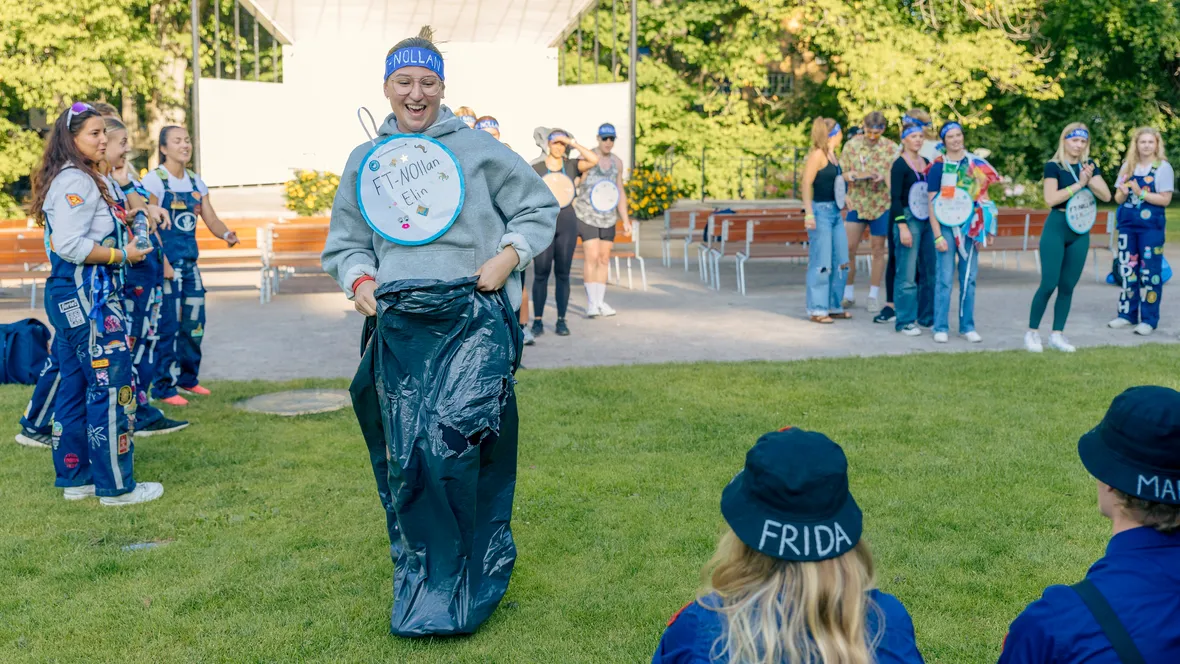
(920, 201)
(1081, 211)
(954, 211)
(841, 191)
(410, 189)
(604, 197)
(562, 187)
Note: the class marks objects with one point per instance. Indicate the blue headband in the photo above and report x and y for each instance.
(911, 120)
(1078, 133)
(467, 118)
(487, 123)
(414, 56)
(946, 128)
(910, 130)
(835, 130)
(556, 134)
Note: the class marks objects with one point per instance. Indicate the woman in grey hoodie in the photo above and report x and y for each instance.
(434, 393)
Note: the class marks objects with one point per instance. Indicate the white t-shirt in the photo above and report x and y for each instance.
(155, 185)
(1165, 177)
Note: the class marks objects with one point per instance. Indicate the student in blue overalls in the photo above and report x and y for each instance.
(1143, 189)
(142, 292)
(1127, 609)
(185, 196)
(36, 423)
(792, 560)
(84, 219)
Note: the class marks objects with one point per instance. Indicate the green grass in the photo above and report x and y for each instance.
(965, 466)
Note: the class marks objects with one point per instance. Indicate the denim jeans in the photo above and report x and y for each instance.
(827, 266)
(914, 290)
(945, 267)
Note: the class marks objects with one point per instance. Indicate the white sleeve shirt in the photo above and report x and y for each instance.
(77, 216)
(155, 186)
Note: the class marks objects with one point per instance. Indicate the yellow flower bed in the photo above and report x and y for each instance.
(650, 192)
(311, 192)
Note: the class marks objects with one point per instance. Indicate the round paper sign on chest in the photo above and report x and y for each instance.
(410, 189)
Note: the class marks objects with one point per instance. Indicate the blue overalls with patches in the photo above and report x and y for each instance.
(95, 401)
(184, 295)
(1141, 255)
(143, 292)
(38, 416)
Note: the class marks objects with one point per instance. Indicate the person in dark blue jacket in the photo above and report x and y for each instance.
(792, 554)
(1127, 610)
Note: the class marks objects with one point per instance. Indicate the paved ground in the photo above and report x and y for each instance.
(310, 330)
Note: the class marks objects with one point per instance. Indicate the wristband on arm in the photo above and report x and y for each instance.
(360, 280)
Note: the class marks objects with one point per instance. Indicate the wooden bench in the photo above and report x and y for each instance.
(23, 258)
(772, 239)
(288, 248)
(726, 233)
(626, 247)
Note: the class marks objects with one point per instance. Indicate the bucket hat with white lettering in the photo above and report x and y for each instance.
(791, 501)
(1136, 447)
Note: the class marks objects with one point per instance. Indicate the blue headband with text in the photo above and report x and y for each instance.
(1078, 133)
(911, 120)
(487, 123)
(947, 128)
(835, 130)
(414, 56)
(910, 130)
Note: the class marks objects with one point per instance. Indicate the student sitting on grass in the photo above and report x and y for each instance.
(1127, 609)
(791, 581)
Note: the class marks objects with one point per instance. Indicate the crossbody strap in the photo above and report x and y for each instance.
(1124, 647)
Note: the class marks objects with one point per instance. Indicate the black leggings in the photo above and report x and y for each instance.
(561, 253)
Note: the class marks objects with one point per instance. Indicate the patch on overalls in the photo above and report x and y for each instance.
(124, 443)
(196, 195)
(57, 428)
(100, 364)
(111, 324)
(102, 377)
(73, 311)
(71, 460)
(1151, 297)
(125, 395)
(199, 331)
(96, 351)
(115, 345)
(74, 200)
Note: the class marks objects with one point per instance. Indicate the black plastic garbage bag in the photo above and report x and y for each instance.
(435, 400)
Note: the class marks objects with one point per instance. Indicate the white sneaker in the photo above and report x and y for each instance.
(873, 305)
(142, 493)
(1144, 329)
(1057, 340)
(78, 492)
(973, 337)
(941, 337)
(1032, 342)
(529, 339)
(606, 310)
(911, 330)
(1119, 323)
(592, 311)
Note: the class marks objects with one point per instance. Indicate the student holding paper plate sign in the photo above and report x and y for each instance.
(560, 173)
(431, 227)
(600, 203)
(1072, 180)
(961, 218)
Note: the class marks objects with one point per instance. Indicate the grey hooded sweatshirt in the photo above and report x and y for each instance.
(507, 204)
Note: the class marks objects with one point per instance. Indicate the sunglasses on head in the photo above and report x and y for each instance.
(77, 108)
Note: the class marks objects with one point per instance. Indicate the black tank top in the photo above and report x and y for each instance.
(824, 188)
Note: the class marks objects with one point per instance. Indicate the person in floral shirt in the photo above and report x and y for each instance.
(866, 162)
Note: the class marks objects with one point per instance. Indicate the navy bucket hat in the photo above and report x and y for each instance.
(791, 501)
(1136, 447)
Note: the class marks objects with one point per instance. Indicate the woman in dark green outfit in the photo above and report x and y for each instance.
(1072, 181)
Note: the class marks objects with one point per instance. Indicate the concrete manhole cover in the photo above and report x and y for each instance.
(297, 402)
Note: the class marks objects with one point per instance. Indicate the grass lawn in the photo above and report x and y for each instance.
(965, 466)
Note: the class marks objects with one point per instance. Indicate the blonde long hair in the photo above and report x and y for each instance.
(819, 133)
(1132, 158)
(797, 612)
(1059, 156)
